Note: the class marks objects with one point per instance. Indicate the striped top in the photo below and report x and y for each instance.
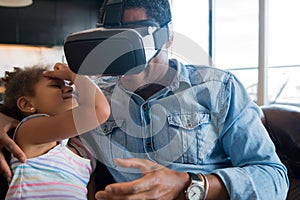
(58, 174)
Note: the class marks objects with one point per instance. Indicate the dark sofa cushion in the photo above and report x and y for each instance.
(283, 125)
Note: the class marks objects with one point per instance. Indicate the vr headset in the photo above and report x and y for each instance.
(115, 48)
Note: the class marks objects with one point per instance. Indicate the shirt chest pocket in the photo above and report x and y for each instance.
(188, 121)
(194, 133)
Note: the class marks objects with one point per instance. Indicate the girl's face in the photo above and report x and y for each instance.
(53, 96)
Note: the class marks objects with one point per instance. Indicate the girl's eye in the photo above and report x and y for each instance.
(56, 85)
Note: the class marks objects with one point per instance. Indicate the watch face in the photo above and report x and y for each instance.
(195, 192)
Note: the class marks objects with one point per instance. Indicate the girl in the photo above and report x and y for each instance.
(50, 113)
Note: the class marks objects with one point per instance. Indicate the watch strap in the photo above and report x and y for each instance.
(206, 184)
(194, 177)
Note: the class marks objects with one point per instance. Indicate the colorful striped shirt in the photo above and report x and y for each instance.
(58, 174)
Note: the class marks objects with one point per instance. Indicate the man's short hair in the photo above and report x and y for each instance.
(156, 10)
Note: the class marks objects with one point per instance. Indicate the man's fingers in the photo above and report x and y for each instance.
(16, 151)
(11, 146)
(133, 187)
(126, 190)
(4, 168)
(102, 195)
(7, 124)
(141, 164)
(10, 126)
(149, 186)
(137, 189)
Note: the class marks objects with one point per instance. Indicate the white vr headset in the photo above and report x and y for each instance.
(115, 48)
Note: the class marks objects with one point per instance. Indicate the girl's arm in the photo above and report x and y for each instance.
(93, 110)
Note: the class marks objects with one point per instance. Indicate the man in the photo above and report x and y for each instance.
(181, 132)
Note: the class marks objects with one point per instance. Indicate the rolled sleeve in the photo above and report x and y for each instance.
(256, 172)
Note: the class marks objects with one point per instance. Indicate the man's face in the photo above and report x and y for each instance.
(138, 14)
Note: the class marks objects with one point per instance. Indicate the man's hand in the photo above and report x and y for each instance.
(158, 182)
(7, 123)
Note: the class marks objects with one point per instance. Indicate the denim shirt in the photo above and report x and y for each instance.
(204, 122)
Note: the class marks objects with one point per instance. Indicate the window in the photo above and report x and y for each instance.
(191, 30)
(284, 51)
(235, 41)
(236, 34)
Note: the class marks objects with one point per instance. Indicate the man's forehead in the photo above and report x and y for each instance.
(134, 14)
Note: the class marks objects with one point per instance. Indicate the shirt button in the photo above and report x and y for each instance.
(105, 129)
(189, 124)
(144, 107)
(148, 144)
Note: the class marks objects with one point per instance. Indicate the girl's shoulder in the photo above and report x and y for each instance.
(26, 119)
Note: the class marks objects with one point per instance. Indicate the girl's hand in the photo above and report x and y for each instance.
(61, 71)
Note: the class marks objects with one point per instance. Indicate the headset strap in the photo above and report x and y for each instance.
(113, 13)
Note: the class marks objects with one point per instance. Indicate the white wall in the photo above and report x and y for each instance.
(22, 56)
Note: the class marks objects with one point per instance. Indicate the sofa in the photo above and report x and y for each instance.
(283, 125)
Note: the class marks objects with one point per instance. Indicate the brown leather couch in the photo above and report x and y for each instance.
(283, 124)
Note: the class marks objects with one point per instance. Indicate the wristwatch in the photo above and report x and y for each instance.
(198, 188)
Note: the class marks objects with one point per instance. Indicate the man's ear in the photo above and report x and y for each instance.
(24, 104)
(171, 36)
(170, 41)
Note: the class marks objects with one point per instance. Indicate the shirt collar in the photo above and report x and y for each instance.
(182, 76)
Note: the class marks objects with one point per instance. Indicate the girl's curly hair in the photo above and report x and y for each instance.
(19, 82)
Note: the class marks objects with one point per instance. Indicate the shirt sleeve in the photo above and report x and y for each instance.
(257, 171)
